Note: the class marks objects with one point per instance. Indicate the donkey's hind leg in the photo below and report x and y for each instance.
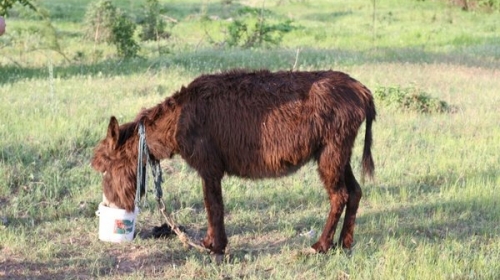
(331, 167)
(354, 190)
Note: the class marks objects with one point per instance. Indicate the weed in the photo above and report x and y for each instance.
(153, 26)
(252, 29)
(105, 23)
(99, 21)
(409, 99)
(123, 32)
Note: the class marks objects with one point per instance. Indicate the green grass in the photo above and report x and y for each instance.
(431, 213)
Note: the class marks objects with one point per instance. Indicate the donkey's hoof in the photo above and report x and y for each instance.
(320, 247)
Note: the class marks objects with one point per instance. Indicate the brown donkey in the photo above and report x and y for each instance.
(253, 125)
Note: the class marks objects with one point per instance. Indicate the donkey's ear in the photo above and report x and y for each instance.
(113, 133)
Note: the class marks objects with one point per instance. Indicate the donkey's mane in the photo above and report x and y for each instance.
(153, 113)
(209, 85)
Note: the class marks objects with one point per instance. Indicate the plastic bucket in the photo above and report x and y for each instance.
(116, 225)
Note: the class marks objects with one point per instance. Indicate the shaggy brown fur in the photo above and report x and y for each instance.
(253, 125)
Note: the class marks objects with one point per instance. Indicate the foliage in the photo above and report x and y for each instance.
(99, 21)
(5, 5)
(409, 99)
(252, 29)
(153, 26)
(105, 23)
(123, 32)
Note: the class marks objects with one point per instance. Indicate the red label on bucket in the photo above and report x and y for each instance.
(123, 226)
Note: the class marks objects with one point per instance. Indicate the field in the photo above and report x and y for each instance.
(432, 212)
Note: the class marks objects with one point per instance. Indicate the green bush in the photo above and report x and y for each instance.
(99, 21)
(123, 32)
(253, 29)
(105, 23)
(409, 99)
(153, 26)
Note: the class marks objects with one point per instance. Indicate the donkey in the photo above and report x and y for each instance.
(253, 125)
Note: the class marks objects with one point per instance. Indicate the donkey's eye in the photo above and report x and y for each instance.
(104, 173)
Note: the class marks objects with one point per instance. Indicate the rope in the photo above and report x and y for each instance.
(141, 178)
(157, 177)
(184, 238)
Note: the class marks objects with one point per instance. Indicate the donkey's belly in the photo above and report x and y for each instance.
(266, 165)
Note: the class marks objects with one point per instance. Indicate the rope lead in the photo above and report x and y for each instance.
(143, 151)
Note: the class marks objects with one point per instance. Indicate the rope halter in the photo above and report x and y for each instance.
(143, 154)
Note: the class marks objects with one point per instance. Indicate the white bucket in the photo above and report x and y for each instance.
(116, 225)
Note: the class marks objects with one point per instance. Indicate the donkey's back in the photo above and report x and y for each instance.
(264, 124)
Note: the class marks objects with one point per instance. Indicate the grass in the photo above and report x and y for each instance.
(431, 213)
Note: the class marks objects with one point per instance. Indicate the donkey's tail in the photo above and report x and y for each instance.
(367, 161)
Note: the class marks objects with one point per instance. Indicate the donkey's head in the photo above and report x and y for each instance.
(116, 158)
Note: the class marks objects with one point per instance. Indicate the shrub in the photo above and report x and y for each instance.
(105, 23)
(99, 20)
(252, 29)
(153, 26)
(409, 99)
(123, 32)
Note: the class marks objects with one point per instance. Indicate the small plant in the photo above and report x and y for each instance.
(99, 21)
(409, 99)
(123, 32)
(252, 29)
(105, 23)
(153, 26)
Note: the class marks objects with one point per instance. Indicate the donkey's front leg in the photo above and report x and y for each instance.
(216, 239)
